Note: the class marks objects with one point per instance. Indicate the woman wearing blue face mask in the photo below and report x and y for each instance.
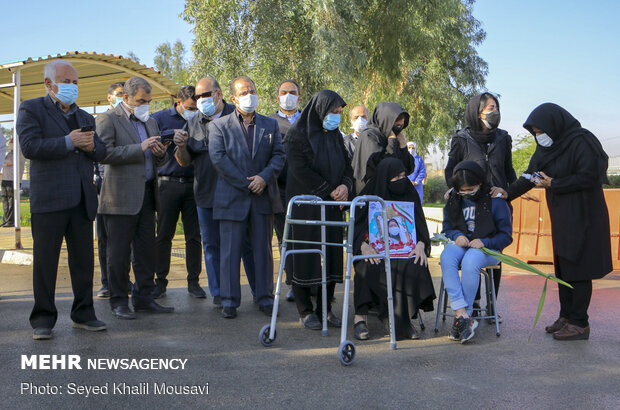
(570, 163)
(317, 165)
(472, 219)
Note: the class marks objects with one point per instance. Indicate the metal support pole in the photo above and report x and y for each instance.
(16, 162)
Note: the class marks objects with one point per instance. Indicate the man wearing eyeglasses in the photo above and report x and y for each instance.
(193, 148)
(176, 196)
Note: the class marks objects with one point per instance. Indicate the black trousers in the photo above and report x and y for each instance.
(177, 198)
(303, 298)
(7, 203)
(127, 234)
(102, 243)
(48, 231)
(574, 302)
(278, 223)
(497, 276)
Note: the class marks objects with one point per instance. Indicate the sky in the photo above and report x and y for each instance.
(561, 51)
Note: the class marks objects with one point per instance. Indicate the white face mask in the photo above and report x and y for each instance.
(248, 103)
(187, 114)
(412, 151)
(288, 101)
(360, 124)
(544, 140)
(141, 112)
(394, 231)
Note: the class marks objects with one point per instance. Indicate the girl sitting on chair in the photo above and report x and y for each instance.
(472, 219)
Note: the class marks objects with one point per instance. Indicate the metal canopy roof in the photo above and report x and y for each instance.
(96, 73)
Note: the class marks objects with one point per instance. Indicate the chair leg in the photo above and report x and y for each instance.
(420, 320)
(497, 333)
(439, 303)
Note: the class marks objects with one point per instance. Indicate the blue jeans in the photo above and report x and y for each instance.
(210, 233)
(462, 291)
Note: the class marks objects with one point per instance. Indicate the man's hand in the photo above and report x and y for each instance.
(180, 138)
(418, 253)
(476, 243)
(149, 142)
(369, 250)
(257, 184)
(158, 149)
(462, 241)
(341, 193)
(497, 192)
(84, 141)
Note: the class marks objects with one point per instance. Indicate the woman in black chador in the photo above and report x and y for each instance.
(571, 165)
(411, 279)
(317, 165)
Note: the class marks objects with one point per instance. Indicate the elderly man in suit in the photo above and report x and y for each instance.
(59, 139)
(128, 197)
(193, 147)
(246, 150)
(358, 116)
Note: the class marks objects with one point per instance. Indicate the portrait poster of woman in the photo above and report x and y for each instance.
(401, 227)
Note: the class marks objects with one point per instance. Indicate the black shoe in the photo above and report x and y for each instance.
(361, 331)
(468, 333)
(311, 321)
(290, 296)
(458, 327)
(412, 332)
(42, 333)
(229, 313)
(217, 301)
(153, 307)
(333, 320)
(267, 310)
(159, 291)
(92, 325)
(123, 312)
(103, 293)
(195, 290)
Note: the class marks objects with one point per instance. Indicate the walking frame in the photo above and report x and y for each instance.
(346, 350)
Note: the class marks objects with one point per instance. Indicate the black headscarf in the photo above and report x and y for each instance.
(472, 119)
(379, 184)
(563, 129)
(379, 128)
(328, 159)
(484, 224)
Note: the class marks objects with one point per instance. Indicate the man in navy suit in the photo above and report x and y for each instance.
(246, 150)
(59, 139)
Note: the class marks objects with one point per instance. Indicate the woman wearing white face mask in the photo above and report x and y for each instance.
(571, 166)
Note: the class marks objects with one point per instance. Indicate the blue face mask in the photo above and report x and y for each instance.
(117, 101)
(67, 93)
(331, 121)
(206, 106)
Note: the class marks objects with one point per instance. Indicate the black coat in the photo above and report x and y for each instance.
(579, 217)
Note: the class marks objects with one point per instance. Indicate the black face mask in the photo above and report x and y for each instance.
(399, 187)
(397, 129)
(493, 118)
(472, 196)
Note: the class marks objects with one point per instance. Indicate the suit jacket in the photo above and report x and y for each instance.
(57, 176)
(349, 144)
(205, 175)
(122, 192)
(234, 163)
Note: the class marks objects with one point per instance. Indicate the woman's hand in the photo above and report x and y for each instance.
(341, 193)
(447, 194)
(476, 244)
(544, 182)
(462, 241)
(369, 250)
(419, 254)
(497, 192)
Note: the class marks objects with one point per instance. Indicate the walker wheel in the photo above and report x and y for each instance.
(346, 353)
(263, 336)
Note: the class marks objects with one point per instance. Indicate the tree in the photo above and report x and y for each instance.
(170, 60)
(132, 56)
(419, 53)
(524, 148)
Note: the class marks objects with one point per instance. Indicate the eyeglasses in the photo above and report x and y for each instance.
(206, 94)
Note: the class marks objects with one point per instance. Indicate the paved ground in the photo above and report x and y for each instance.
(302, 370)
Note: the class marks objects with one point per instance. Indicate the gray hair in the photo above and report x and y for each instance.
(132, 86)
(50, 68)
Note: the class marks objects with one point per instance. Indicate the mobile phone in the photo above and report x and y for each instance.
(86, 128)
(167, 135)
(537, 175)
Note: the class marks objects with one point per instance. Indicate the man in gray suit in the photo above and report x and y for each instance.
(127, 199)
(246, 150)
